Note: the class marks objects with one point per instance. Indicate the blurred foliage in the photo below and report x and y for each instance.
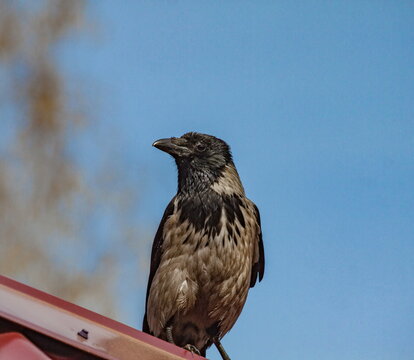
(52, 210)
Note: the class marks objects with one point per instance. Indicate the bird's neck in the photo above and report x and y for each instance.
(224, 181)
(194, 181)
(229, 182)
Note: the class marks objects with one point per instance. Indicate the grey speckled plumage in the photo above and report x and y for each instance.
(208, 249)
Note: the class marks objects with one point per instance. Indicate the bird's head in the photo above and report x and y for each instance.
(197, 151)
(197, 155)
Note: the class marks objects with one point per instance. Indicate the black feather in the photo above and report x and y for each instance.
(258, 267)
(156, 253)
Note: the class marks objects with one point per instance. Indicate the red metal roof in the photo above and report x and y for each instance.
(15, 346)
(62, 330)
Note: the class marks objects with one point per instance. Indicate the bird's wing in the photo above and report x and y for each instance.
(156, 254)
(259, 258)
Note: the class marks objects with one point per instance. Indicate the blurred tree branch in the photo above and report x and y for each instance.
(47, 208)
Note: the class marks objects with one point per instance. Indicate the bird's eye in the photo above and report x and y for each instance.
(200, 147)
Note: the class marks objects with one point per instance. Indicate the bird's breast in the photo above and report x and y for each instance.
(213, 243)
(205, 270)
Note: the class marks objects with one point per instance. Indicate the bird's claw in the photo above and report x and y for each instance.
(192, 349)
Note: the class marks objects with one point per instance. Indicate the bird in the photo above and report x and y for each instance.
(208, 249)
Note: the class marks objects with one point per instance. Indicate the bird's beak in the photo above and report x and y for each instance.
(172, 146)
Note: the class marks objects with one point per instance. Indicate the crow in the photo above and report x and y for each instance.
(208, 249)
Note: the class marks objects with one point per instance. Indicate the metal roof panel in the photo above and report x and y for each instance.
(81, 328)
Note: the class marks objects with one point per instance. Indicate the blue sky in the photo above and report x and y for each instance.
(316, 100)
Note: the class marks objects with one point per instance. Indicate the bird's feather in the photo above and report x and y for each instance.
(156, 253)
(259, 266)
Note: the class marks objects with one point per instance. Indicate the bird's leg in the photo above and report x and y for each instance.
(168, 332)
(221, 350)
